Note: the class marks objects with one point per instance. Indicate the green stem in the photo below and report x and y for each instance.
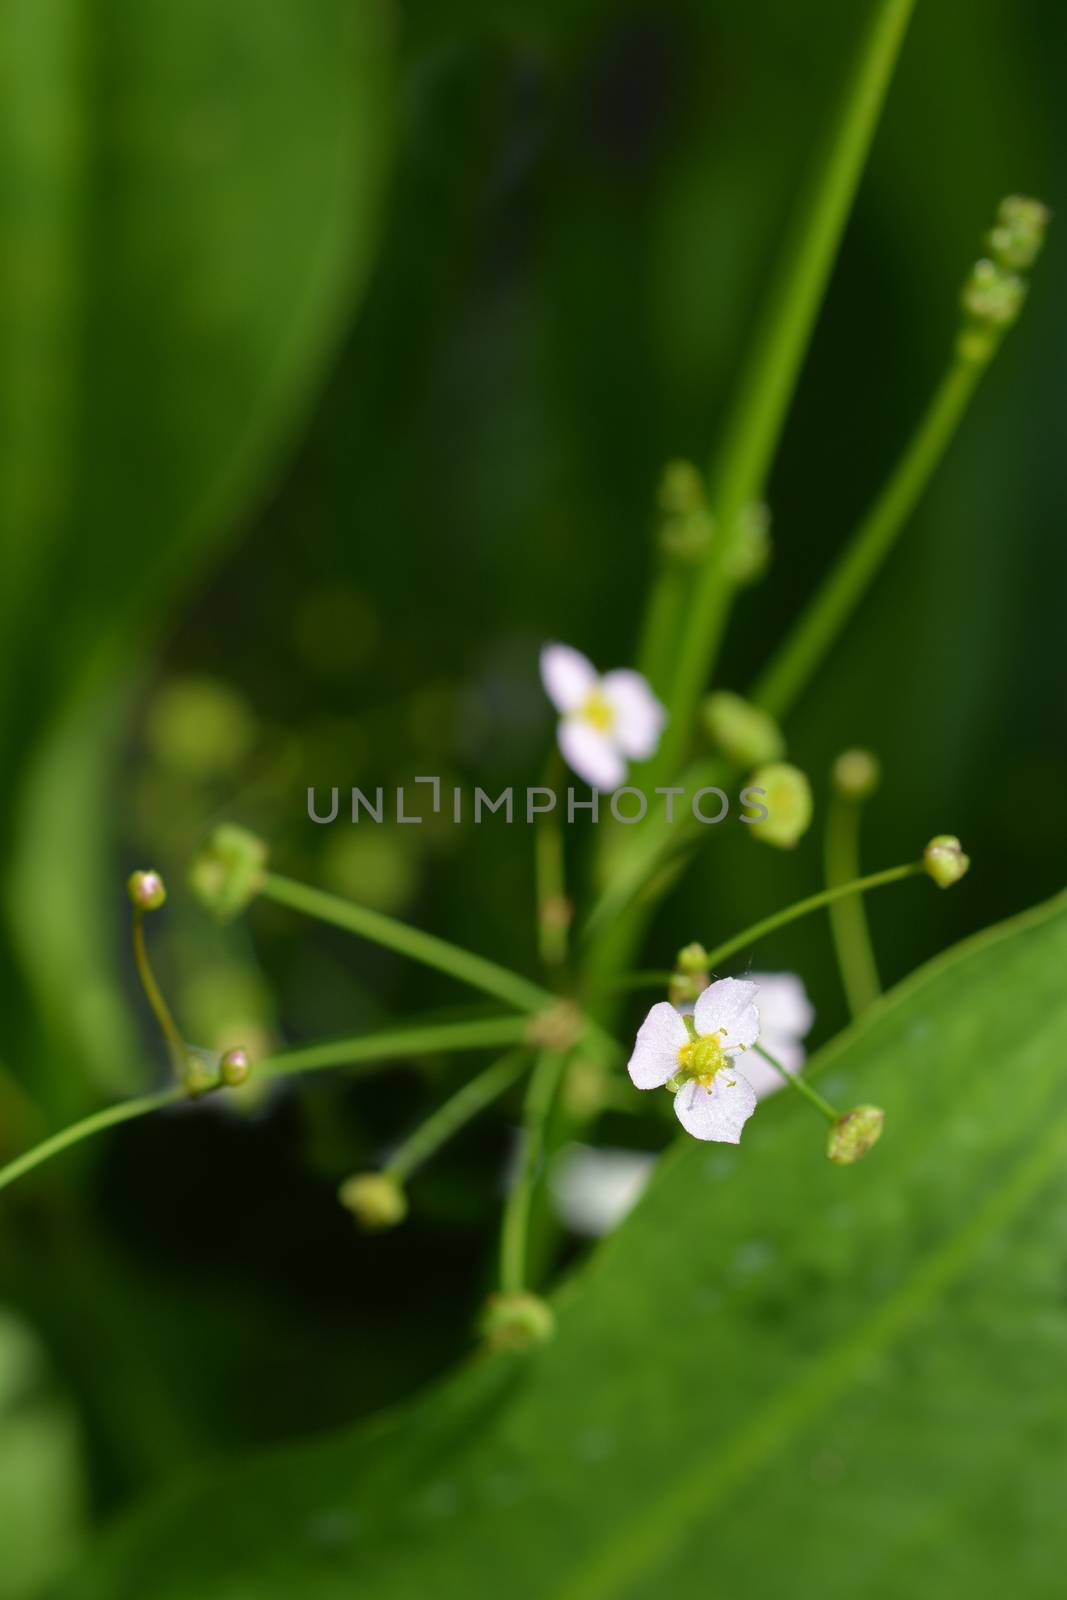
(779, 919)
(154, 994)
(768, 384)
(110, 1117)
(391, 1044)
(394, 1044)
(553, 910)
(848, 918)
(800, 1084)
(455, 1113)
(544, 1081)
(412, 942)
(849, 579)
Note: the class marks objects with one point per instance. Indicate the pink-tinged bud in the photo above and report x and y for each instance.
(235, 1068)
(146, 890)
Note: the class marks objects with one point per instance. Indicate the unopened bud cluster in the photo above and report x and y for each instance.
(685, 523)
(994, 293)
(690, 976)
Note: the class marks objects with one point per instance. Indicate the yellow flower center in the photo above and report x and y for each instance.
(702, 1058)
(596, 709)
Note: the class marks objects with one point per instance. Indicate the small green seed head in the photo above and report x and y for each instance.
(681, 489)
(945, 861)
(517, 1321)
(853, 1134)
(993, 297)
(235, 1068)
(856, 774)
(751, 551)
(745, 733)
(197, 1077)
(1018, 234)
(228, 872)
(787, 798)
(146, 890)
(375, 1199)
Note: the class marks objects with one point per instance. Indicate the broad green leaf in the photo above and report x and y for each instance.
(189, 198)
(42, 1493)
(779, 1377)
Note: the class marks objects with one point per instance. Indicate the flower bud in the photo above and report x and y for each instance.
(787, 798)
(856, 775)
(690, 976)
(375, 1199)
(235, 1068)
(750, 553)
(196, 1074)
(685, 524)
(146, 890)
(229, 871)
(556, 1028)
(745, 733)
(945, 861)
(1019, 232)
(517, 1321)
(853, 1134)
(586, 1089)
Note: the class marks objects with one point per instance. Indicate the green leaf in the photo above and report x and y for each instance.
(779, 1377)
(189, 204)
(41, 1479)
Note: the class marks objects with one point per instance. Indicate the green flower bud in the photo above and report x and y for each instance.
(749, 736)
(234, 1068)
(992, 295)
(856, 774)
(517, 1321)
(787, 798)
(945, 861)
(1019, 232)
(853, 1134)
(228, 873)
(681, 489)
(751, 551)
(196, 1075)
(375, 1199)
(685, 524)
(586, 1090)
(690, 976)
(146, 890)
(556, 1028)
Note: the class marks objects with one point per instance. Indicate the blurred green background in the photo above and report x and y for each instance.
(342, 349)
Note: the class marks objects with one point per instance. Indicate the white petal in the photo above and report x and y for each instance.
(729, 1006)
(784, 1007)
(591, 754)
(659, 1039)
(595, 1189)
(719, 1112)
(568, 676)
(639, 717)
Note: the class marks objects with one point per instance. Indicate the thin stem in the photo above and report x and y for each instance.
(779, 919)
(412, 942)
(797, 659)
(455, 1113)
(110, 1117)
(540, 1094)
(801, 908)
(395, 1044)
(800, 1084)
(770, 379)
(391, 1044)
(151, 988)
(553, 908)
(848, 917)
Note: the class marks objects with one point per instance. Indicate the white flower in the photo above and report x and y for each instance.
(713, 1100)
(604, 722)
(785, 1016)
(594, 1190)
